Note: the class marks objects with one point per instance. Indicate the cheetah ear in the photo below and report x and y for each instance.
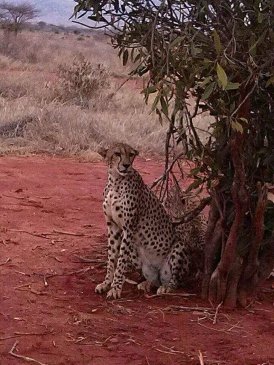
(103, 152)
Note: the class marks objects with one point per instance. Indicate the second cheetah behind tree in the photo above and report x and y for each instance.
(140, 232)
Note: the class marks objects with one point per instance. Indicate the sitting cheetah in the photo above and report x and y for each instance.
(140, 232)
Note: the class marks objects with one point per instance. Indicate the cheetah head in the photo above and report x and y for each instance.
(119, 158)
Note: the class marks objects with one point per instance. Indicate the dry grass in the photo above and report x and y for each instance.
(40, 108)
(44, 109)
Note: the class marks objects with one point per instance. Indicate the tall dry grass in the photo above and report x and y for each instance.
(43, 108)
(58, 94)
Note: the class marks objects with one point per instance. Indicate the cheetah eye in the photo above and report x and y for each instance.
(117, 154)
(131, 154)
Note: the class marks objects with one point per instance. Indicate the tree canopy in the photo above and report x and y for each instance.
(14, 16)
(220, 56)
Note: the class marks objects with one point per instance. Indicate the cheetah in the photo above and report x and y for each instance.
(141, 234)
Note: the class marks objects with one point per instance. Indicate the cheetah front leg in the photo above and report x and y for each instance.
(114, 243)
(123, 263)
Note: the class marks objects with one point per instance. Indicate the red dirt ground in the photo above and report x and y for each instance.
(60, 320)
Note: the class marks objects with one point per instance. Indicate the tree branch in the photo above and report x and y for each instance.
(189, 216)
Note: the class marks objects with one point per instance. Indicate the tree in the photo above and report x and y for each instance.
(14, 17)
(219, 54)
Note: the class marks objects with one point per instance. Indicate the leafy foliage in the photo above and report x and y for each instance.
(218, 54)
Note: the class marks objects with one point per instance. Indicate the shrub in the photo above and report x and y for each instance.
(82, 81)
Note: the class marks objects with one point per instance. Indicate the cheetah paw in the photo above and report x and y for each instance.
(145, 286)
(114, 293)
(102, 287)
(163, 289)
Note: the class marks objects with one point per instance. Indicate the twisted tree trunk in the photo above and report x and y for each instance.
(222, 286)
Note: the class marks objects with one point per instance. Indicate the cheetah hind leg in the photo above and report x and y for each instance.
(145, 286)
(164, 289)
(167, 279)
(174, 269)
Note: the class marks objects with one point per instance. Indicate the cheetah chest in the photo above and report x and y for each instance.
(113, 208)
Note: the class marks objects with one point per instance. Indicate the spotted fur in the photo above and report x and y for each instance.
(140, 231)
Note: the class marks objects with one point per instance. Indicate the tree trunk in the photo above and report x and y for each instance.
(267, 259)
(219, 286)
(249, 278)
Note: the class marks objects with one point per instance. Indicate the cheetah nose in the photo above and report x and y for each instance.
(126, 165)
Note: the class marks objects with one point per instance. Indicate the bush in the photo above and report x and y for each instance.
(82, 81)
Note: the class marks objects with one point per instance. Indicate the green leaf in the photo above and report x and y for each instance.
(232, 85)
(243, 120)
(164, 105)
(125, 57)
(176, 41)
(194, 171)
(77, 9)
(160, 116)
(149, 90)
(221, 76)
(208, 91)
(217, 42)
(205, 81)
(237, 126)
(252, 49)
(260, 17)
(155, 102)
(194, 185)
(195, 50)
(207, 61)
(270, 81)
(232, 107)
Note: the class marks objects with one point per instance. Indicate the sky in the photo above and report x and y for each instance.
(52, 11)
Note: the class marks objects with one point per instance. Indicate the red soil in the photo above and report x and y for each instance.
(60, 320)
